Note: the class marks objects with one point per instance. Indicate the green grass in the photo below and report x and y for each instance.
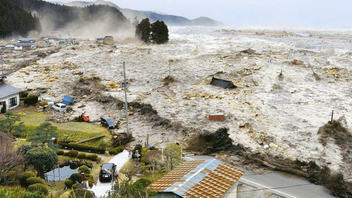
(73, 131)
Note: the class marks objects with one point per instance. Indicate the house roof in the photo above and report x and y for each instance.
(222, 83)
(8, 90)
(199, 178)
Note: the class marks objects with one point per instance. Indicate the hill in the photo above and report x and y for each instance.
(153, 16)
(15, 20)
(77, 21)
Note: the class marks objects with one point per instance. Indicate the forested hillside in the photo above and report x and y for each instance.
(56, 17)
(15, 20)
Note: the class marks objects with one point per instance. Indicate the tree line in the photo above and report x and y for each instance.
(15, 20)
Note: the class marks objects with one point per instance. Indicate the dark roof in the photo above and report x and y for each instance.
(8, 90)
(67, 100)
(222, 83)
(109, 121)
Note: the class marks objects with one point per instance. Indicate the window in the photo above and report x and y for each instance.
(13, 101)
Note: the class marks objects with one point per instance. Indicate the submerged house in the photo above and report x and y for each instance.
(206, 177)
(26, 43)
(222, 83)
(9, 96)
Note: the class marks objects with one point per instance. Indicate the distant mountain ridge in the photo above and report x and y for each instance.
(132, 15)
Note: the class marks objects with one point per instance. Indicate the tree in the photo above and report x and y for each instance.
(44, 134)
(152, 158)
(9, 126)
(173, 154)
(160, 32)
(143, 30)
(128, 189)
(9, 158)
(43, 159)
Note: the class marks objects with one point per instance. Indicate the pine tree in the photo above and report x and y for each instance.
(160, 32)
(143, 30)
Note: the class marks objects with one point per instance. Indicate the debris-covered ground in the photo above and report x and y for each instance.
(288, 84)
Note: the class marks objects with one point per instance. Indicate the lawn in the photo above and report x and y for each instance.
(72, 131)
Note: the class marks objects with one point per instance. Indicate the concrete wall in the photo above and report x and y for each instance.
(8, 103)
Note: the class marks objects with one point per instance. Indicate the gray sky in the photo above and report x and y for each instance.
(332, 14)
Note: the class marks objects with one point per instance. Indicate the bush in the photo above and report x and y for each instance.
(115, 151)
(17, 192)
(10, 178)
(81, 193)
(24, 176)
(39, 188)
(76, 178)
(34, 180)
(23, 94)
(72, 153)
(84, 169)
(141, 184)
(68, 183)
(85, 148)
(60, 152)
(92, 157)
(31, 100)
(81, 156)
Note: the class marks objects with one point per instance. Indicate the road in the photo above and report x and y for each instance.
(102, 189)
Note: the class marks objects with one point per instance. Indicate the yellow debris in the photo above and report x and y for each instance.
(52, 79)
(113, 85)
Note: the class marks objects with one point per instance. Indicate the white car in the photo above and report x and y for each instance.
(60, 107)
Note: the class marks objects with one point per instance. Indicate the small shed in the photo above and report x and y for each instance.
(222, 83)
(67, 100)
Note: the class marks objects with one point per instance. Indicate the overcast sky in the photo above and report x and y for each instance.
(334, 14)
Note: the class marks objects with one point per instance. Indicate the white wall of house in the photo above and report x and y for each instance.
(9, 105)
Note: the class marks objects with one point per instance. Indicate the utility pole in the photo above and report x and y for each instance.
(126, 103)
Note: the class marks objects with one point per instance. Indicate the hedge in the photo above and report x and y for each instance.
(35, 180)
(31, 100)
(85, 148)
(115, 151)
(24, 176)
(76, 178)
(84, 169)
(72, 153)
(81, 156)
(60, 152)
(39, 188)
(68, 183)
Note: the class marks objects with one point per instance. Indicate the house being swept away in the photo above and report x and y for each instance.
(26, 43)
(9, 96)
(222, 83)
(206, 177)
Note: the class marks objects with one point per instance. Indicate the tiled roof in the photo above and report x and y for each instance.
(209, 178)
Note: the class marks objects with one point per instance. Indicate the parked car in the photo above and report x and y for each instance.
(108, 122)
(60, 107)
(107, 172)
